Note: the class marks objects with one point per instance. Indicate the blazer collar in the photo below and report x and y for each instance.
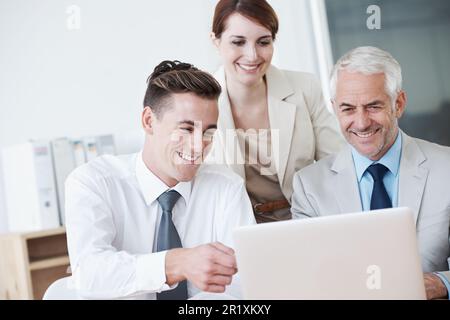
(281, 118)
(413, 175)
(226, 134)
(278, 85)
(225, 115)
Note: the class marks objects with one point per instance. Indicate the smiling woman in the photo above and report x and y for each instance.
(259, 98)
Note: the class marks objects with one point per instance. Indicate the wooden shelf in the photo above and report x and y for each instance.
(49, 263)
(38, 234)
(31, 261)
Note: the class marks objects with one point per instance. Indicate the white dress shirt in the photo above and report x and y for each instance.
(112, 217)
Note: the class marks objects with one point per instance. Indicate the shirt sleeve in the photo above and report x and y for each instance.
(237, 211)
(445, 277)
(100, 271)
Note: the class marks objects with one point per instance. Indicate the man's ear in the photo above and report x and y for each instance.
(147, 119)
(400, 104)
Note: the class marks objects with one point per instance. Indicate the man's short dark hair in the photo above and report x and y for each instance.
(171, 77)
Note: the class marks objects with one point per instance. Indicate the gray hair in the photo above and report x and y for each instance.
(370, 60)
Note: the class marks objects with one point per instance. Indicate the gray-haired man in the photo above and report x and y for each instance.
(382, 166)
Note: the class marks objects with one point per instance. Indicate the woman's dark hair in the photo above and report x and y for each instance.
(170, 77)
(257, 10)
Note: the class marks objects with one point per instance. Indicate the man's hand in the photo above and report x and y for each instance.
(434, 287)
(209, 267)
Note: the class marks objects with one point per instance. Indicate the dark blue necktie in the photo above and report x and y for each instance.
(380, 198)
(168, 238)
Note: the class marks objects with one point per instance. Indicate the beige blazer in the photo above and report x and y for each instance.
(307, 130)
(330, 187)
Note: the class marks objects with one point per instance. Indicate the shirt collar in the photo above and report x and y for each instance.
(391, 159)
(152, 187)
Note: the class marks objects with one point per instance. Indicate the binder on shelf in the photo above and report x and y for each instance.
(79, 154)
(63, 163)
(90, 148)
(105, 144)
(98, 145)
(34, 178)
(30, 190)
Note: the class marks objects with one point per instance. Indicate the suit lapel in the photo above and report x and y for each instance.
(346, 183)
(281, 118)
(412, 177)
(227, 130)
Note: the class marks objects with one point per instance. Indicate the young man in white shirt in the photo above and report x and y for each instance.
(139, 225)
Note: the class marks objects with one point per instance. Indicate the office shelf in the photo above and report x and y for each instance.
(49, 263)
(31, 261)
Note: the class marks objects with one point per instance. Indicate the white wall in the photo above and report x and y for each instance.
(3, 216)
(59, 82)
(295, 41)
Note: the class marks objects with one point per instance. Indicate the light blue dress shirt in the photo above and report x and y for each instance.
(391, 160)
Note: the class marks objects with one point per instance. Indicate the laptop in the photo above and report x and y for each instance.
(365, 255)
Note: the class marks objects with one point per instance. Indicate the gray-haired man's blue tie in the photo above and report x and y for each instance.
(380, 198)
(168, 238)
